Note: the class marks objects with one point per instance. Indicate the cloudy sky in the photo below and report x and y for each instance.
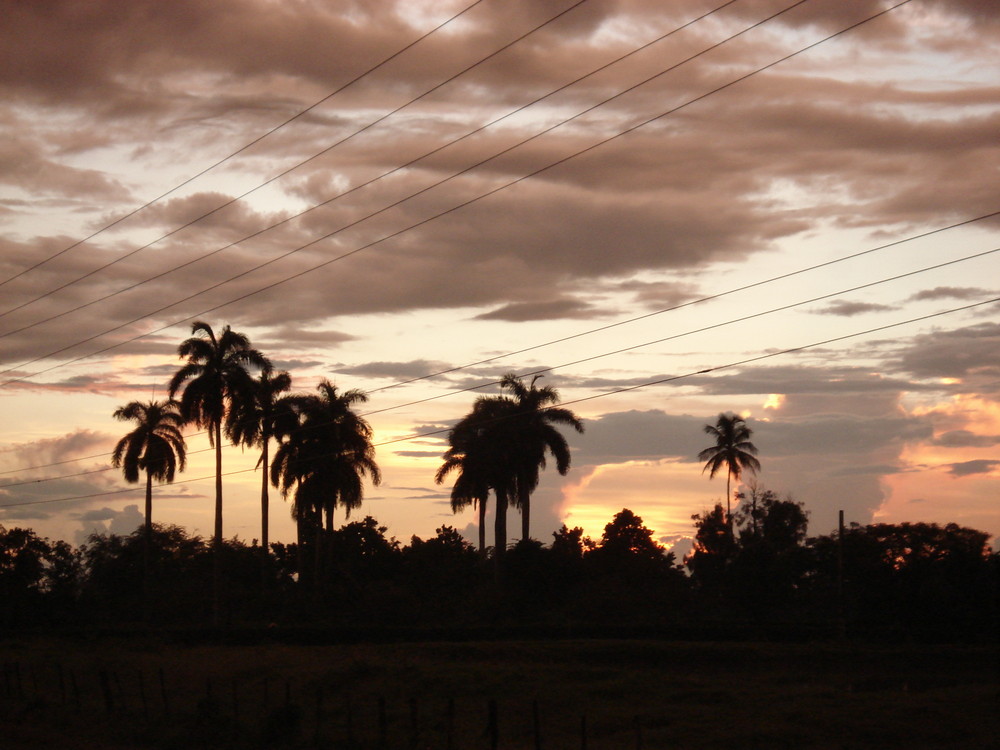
(784, 210)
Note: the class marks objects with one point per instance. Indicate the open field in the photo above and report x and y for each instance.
(145, 692)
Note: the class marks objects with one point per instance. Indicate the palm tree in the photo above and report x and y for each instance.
(733, 450)
(156, 446)
(325, 457)
(254, 420)
(468, 454)
(214, 378)
(532, 419)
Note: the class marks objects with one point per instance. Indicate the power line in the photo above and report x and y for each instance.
(278, 176)
(581, 334)
(239, 151)
(601, 355)
(412, 226)
(584, 399)
(369, 182)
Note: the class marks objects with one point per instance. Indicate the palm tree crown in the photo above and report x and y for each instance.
(732, 450)
(326, 454)
(533, 421)
(469, 453)
(214, 377)
(156, 445)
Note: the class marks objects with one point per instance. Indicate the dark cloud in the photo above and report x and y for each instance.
(965, 439)
(968, 468)
(847, 309)
(396, 370)
(788, 379)
(951, 292)
(960, 353)
(552, 309)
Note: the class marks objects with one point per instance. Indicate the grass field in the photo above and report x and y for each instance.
(146, 692)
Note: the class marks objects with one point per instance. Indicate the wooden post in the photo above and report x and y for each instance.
(414, 723)
(493, 726)
(841, 613)
(449, 725)
(163, 693)
(350, 723)
(537, 724)
(236, 703)
(76, 689)
(383, 724)
(109, 701)
(319, 714)
(142, 697)
(122, 703)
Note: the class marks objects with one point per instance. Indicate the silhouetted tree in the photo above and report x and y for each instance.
(156, 446)
(732, 450)
(325, 458)
(627, 548)
(771, 560)
(213, 378)
(32, 569)
(533, 418)
(713, 550)
(253, 420)
(469, 454)
(914, 577)
(482, 448)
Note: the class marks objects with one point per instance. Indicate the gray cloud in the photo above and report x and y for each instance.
(950, 292)
(968, 468)
(965, 439)
(552, 309)
(848, 309)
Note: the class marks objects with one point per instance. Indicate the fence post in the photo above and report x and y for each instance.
(493, 727)
(449, 725)
(142, 697)
(109, 701)
(163, 694)
(382, 722)
(319, 714)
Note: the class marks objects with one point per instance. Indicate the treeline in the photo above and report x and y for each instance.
(762, 576)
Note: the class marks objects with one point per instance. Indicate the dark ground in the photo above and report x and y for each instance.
(142, 691)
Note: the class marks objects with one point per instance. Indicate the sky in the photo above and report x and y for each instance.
(669, 210)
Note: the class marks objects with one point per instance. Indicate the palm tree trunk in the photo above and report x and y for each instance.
(149, 505)
(218, 482)
(265, 547)
(264, 498)
(500, 531)
(147, 542)
(217, 542)
(482, 525)
(729, 512)
(525, 502)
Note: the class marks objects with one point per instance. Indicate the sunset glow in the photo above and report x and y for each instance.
(725, 220)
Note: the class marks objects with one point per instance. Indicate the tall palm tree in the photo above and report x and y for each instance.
(325, 458)
(156, 446)
(214, 377)
(533, 418)
(252, 421)
(732, 450)
(468, 454)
